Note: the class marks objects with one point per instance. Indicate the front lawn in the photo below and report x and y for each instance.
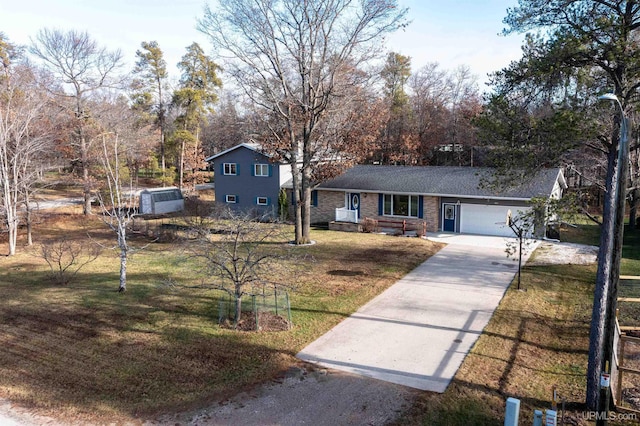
(85, 353)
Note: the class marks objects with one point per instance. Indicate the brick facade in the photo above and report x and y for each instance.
(325, 210)
(329, 201)
(431, 206)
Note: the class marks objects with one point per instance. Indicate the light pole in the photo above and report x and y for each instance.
(605, 297)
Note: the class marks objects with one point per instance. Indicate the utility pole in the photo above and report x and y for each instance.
(605, 299)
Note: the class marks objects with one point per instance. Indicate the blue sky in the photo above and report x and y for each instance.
(450, 32)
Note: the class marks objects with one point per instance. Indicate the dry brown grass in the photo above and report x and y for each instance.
(85, 353)
(537, 339)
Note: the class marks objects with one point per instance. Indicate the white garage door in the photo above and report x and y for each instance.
(487, 220)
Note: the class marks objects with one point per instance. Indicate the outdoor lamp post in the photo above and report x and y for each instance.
(609, 266)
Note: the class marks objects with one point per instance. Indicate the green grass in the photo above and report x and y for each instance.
(89, 354)
(83, 352)
(586, 232)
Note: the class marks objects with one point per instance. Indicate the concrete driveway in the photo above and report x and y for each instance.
(418, 331)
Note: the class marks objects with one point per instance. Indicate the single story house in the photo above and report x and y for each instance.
(247, 180)
(449, 199)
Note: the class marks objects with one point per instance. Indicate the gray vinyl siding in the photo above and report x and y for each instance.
(244, 185)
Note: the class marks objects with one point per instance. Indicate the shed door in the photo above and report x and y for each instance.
(487, 220)
(145, 203)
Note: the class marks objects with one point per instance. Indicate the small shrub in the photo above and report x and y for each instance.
(166, 234)
(65, 257)
(369, 225)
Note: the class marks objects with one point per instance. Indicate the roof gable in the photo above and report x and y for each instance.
(250, 145)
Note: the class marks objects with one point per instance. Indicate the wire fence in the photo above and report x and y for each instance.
(260, 312)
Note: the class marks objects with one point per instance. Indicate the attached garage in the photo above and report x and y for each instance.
(487, 219)
(448, 199)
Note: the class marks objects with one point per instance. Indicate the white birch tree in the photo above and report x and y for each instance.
(22, 141)
(120, 143)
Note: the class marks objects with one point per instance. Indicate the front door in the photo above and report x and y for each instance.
(353, 203)
(449, 217)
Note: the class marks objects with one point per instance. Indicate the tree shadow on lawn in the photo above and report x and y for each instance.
(85, 350)
(87, 365)
(503, 366)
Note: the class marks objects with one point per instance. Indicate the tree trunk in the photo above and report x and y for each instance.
(28, 219)
(306, 207)
(601, 293)
(609, 257)
(124, 249)
(161, 120)
(12, 229)
(238, 315)
(305, 203)
(123, 271)
(181, 180)
(296, 199)
(6, 204)
(163, 166)
(86, 180)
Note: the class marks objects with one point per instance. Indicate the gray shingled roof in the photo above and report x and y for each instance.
(441, 181)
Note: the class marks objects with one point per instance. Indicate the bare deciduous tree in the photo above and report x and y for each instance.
(444, 104)
(291, 57)
(66, 258)
(226, 127)
(82, 68)
(119, 146)
(22, 106)
(240, 256)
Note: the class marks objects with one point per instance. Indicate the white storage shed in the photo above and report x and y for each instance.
(161, 200)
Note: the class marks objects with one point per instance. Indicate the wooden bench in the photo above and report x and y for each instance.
(401, 225)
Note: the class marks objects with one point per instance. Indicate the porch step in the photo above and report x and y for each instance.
(345, 226)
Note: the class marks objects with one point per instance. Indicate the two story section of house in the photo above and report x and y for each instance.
(248, 181)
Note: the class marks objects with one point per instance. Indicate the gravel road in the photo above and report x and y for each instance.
(306, 397)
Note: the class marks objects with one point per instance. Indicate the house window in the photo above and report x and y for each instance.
(261, 170)
(400, 205)
(262, 201)
(230, 169)
(231, 199)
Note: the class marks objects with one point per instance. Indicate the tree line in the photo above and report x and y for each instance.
(315, 89)
(323, 98)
